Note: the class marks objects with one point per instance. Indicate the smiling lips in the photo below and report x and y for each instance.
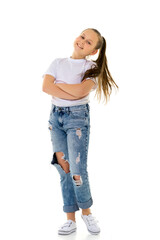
(79, 46)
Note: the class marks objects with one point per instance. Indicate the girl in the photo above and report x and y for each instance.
(69, 81)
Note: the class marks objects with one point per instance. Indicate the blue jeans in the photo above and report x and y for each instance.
(70, 129)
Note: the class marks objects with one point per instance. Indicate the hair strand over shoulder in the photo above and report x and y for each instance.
(101, 71)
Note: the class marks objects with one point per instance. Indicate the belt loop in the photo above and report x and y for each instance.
(87, 106)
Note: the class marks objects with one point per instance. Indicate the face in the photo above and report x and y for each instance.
(85, 44)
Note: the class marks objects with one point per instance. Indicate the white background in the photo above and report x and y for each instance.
(124, 156)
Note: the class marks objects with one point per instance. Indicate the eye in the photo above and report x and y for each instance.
(89, 42)
(82, 37)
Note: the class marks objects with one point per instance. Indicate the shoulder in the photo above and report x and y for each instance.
(57, 60)
(61, 60)
(90, 64)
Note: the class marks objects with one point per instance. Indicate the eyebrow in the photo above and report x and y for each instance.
(88, 39)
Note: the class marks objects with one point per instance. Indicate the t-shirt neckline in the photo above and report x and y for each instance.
(77, 59)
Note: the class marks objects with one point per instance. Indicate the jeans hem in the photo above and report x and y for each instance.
(72, 208)
(86, 205)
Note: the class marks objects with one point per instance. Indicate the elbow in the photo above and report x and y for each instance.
(45, 85)
(44, 88)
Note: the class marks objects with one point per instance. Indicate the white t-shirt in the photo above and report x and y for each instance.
(70, 71)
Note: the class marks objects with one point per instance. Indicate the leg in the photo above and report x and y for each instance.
(78, 131)
(60, 161)
(65, 166)
(63, 163)
(86, 211)
(77, 139)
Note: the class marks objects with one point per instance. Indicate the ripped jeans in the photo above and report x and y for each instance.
(70, 129)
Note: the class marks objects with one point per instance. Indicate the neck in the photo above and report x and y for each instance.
(76, 56)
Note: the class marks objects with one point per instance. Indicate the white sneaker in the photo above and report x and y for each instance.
(67, 228)
(91, 224)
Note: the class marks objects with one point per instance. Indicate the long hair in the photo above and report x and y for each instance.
(100, 70)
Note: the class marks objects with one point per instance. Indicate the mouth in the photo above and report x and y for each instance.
(79, 46)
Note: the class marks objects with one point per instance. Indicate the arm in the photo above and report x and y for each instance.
(77, 90)
(50, 88)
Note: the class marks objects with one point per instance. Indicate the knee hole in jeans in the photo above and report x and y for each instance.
(77, 180)
(62, 162)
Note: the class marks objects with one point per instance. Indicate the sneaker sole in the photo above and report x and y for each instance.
(66, 233)
(94, 233)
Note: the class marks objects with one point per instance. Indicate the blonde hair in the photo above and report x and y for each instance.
(101, 71)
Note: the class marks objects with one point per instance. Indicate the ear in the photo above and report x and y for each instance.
(94, 52)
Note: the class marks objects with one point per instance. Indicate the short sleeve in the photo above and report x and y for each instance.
(95, 80)
(52, 69)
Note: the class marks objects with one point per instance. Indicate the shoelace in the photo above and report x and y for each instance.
(67, 224)
(91, 220)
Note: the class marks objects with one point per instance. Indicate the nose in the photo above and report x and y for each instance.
(82, 43)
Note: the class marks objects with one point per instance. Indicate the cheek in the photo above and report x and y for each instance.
(88, 48)
(74, 43)
(77, 39)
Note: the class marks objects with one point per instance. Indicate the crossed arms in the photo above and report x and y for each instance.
(66, 91)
